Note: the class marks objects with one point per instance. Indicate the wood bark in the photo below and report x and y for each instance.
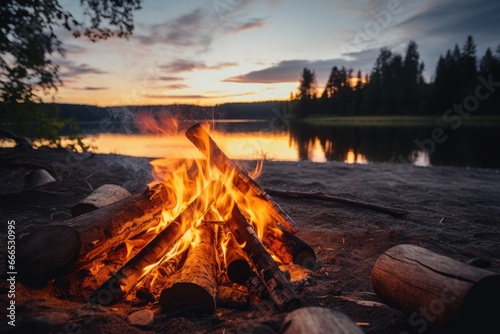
(237, 267)
(289, 248)
(318, 320)
(395, 212)
(232, 297)
(435, 290)
(278, 287)
(103, 196)
(98, 232)
(46, 253)
(127, 277)
(241, 180)
(37, 178)
(194, 286)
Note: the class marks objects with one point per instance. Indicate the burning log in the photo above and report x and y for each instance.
(289, 248)
(237, 267)
(96, 233)
(318, 320)
(194, 286)
(256, 287)
(233, 297)
(244, 183)
(436, 290)
(128, 276)
(103, 196)
(279, 288)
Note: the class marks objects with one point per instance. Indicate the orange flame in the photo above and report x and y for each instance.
(186, 178)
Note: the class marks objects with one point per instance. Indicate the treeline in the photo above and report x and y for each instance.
(396, 85)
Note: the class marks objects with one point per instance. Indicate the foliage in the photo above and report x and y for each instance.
(28, 42)
(396, 85)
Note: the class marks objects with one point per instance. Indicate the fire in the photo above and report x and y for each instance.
(209, 204)
(186, 178)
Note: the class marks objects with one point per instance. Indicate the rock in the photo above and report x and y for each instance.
(142, 319)
(479, 262)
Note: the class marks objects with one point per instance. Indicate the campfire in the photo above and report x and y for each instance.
(203, 231)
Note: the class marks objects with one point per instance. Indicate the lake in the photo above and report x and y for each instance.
(251, 139)
(255, 139)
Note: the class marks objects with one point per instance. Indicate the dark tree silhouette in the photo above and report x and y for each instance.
(307, 93)
(28, 40)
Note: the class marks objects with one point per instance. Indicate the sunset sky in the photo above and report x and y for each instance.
(216, 51)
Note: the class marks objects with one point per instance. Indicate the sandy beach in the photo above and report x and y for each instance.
(452, 211)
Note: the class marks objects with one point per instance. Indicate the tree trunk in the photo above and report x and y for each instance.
(318, 320)
(279, 288)
(127, 277)
(435, 290)
(202, 140)
(103, 196)
(194, 286)
(98, 232)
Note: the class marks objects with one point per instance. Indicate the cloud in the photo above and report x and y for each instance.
(191, 29)
(167, 78)
(290, 70)
(251, 24)
(182, 65)
(70, 69)
(198, 28)
(90, 88)
(195, 96)
(177, 86)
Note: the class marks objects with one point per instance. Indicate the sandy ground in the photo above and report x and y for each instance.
(452, 211)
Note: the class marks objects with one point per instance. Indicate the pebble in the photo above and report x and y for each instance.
(143, 319)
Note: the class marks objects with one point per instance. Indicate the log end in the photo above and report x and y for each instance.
(306, 258)
(46, 253)
(238, 271)
(189, 297)
(480, 307)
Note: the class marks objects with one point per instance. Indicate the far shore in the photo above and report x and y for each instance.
(473, 121)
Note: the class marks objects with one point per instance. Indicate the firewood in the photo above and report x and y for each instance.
(256, 287)
(241, 180)
(236, 265)
(289, 248)
(437, 291)
(395, 212)
(127, 277)
(37, 178)
(194, 286)
(102, 196)
(45, 253)
(318, 320)
(232, 297)
(98, 232)
(279, 288)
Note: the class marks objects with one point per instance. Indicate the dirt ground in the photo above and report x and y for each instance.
(452, 211)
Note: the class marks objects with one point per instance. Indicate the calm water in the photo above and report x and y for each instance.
(464, 147)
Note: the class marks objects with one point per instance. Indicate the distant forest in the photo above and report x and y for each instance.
(396, 85)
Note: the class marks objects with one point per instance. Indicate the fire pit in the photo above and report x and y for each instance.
(204, 230)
